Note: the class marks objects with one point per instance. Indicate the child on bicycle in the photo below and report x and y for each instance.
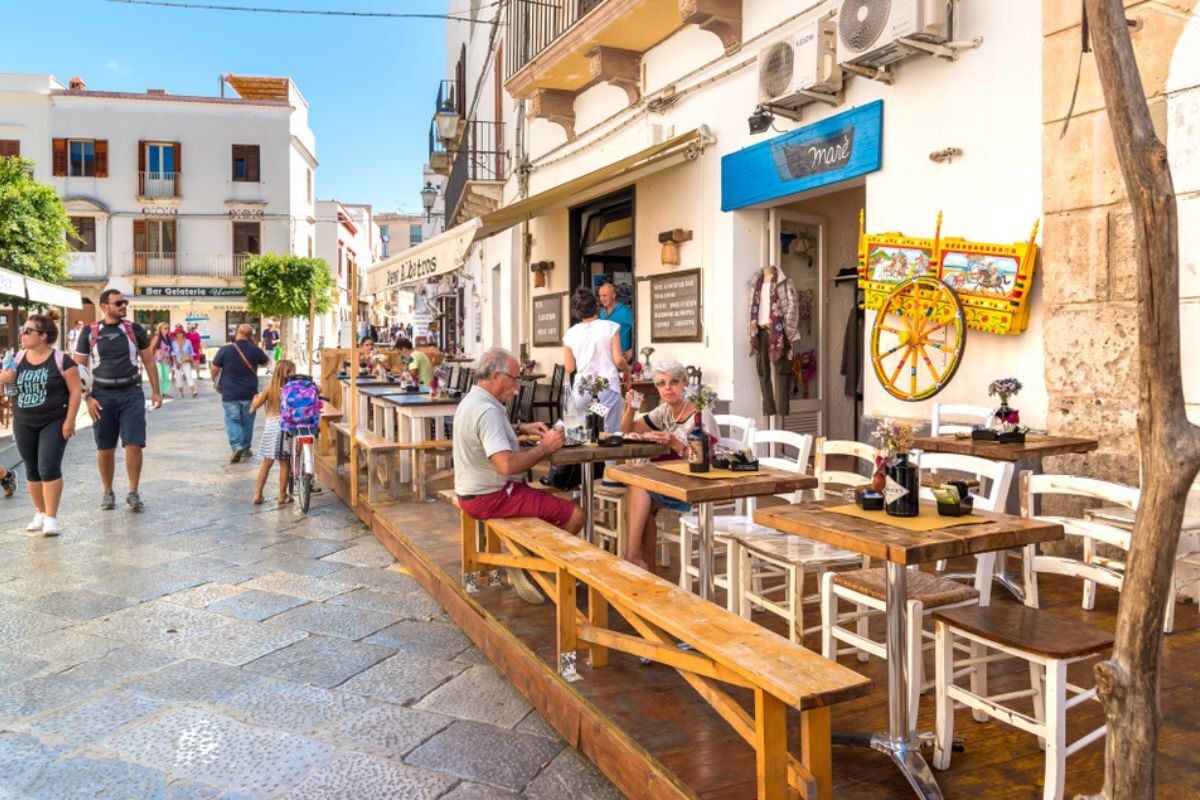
(271, 445)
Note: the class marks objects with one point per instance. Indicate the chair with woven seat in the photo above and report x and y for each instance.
(725, 526)
(1047, 642)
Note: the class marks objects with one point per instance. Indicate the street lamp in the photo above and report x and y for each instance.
(428, 197)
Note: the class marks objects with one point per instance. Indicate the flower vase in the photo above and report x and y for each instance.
(908, 475)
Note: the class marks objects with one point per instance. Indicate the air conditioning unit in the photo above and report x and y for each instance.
(870, 33)
(805, 63)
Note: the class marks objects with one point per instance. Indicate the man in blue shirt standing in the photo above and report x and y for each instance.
(235, 374)
(620, 314)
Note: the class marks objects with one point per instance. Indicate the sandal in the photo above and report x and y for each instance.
(258, 500)
(286, 500)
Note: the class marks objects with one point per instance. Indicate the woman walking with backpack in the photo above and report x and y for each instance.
(270, 446)
(44, 411)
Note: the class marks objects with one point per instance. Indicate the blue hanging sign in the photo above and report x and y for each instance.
(832, 150)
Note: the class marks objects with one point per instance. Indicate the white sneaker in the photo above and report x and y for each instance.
(50, 527)
(39, 519)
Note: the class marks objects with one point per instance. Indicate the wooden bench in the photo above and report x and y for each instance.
(382, 458)
(725, 647)
(329, 415)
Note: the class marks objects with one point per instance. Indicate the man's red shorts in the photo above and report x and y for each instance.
(520, 500)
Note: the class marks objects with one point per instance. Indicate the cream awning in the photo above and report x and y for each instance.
(443, 253)
(447, 251)
(52, 295)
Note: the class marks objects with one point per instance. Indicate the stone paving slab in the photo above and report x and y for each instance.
(387, 730)
(385, 580)
(239, 642)
(346, 622)
(315, 589)
(76, 604)
(22, 759)
(479, 791)
(154, 623)
(299, 565)
(254, 606)
(69, 646)
(145, 587)
(371, 554)
(97, 779)
(427, 638)
(15, 667)
(195, 680)
(484, 754)
(320, 660)
(291, 707)
(404, 677)
(94, 719)
(361, 776)
(204, 595)
(572, 775)
(411, 604)
(215, 749)
(16, 623)
(481, 694)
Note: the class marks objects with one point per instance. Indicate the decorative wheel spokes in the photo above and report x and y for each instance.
(918, 338)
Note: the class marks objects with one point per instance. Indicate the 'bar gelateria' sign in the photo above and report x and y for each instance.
(835, 149)
(188, 291)
(675, 307)
(548, 320)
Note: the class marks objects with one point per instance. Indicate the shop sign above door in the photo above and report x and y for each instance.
(832, 150)
(188, 291)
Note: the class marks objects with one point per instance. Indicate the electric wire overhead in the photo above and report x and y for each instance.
(304, 11)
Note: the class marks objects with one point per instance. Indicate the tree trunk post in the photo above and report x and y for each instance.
(1169, 445)
(312, 328)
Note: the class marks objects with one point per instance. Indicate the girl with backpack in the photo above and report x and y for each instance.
(161, 347)
(44, 410)
(270, 446)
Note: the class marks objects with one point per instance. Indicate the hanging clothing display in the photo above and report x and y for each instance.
(852, 353)
(774, 327)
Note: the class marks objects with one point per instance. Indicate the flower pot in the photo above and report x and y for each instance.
(908, 475)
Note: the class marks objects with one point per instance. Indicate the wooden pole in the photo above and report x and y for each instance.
(312, 328)
(353, 410)
(1169, 445)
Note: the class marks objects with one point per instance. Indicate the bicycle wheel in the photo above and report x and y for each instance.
(304, 481)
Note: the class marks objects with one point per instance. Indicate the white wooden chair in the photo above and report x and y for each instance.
(725, 527)
(994, 478)
(760, 555)
(1048, 643)
(735, 431)
(977, 415)
(839, 478)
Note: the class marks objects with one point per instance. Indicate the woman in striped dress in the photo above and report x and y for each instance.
(270, 446)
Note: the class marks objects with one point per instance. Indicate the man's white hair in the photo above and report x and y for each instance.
(493, 360)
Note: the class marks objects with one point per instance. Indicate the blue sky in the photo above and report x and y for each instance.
(370, 83)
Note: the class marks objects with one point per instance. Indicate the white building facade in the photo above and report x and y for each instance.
(348, 239)
(170, 194)
(620, 132)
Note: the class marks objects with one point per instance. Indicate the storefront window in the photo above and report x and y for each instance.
(149, 319)
(235, 318)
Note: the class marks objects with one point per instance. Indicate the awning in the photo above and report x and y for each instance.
(443, 253)
(447, 251)
(12, 284)
(566, 194)
(52, 295)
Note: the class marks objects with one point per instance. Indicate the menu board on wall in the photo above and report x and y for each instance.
(676, 311)
(548, 320)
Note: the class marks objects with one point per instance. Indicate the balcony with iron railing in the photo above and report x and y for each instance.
(170, 264)
(158, 184)
(564, 46)
(477, 173)
(439, 155)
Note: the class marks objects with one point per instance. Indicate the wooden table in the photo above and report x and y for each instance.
(416, 408)
(586, 457)
(1037, 446)
(704, 492)
(901, 548)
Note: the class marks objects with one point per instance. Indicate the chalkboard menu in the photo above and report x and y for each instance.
(676, 308)
(548, 320)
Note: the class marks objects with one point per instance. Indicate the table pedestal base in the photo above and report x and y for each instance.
(906, 756)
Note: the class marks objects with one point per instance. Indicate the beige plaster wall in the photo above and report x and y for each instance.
(1089, 269)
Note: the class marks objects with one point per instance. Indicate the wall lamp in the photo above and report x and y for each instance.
(764, 115)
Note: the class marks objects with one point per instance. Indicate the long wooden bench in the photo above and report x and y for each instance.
(382, 464)
(725, 648)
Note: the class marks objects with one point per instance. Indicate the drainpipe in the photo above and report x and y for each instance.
(525, 302)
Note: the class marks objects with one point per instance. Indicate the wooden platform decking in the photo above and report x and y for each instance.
(649, 732)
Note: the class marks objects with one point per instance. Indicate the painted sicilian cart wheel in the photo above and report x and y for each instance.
(918, 339)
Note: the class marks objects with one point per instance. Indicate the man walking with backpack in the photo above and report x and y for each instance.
(111, 348)
(235, 374)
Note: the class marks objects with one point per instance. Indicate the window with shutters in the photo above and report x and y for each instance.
(81, 158)
(85, 229)
(154, 247)
(158, 169)
(10, 148)
(246, 163)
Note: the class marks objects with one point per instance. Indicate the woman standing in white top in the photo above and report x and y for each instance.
(593, 347)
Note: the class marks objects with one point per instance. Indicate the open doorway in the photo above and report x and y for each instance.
(602, 248)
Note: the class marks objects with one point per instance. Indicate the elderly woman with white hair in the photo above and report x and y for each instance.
(668, 424)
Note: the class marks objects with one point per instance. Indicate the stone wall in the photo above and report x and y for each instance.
(1088, 263)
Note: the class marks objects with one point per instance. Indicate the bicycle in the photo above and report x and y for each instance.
(300, 482)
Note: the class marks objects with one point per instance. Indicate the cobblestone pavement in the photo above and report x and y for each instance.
(208, 648)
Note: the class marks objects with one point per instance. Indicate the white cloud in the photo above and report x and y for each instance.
(117, 67)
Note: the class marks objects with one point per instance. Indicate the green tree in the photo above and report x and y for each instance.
(283, 285)
(33, 224)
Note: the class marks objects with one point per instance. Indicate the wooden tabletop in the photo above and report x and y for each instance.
(1036, 446)
(586, 453)
(702, 490)
(361, 382)
(531, 376)
(813, 520)
(412, 399)
(379, 390)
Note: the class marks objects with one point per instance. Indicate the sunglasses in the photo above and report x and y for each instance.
(665, 383)
(28, 330)
(119, 303)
